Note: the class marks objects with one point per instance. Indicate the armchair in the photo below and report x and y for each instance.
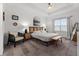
(13, 37)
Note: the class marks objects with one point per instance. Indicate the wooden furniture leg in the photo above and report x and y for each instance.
(7, 43)
(15, 44)
(57, 42)
(61, 40)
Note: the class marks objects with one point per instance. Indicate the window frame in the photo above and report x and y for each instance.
(60, 25)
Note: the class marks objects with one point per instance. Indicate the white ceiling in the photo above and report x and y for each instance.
(43, 7)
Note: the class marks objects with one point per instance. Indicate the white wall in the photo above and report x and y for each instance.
(74, 12)
(25, 13)
(1, 31)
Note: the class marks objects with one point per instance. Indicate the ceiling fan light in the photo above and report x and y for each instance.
(49, 7)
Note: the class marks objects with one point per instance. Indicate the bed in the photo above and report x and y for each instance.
(39, 34)
(43, 35)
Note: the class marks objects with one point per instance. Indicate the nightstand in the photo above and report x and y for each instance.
(27, 36)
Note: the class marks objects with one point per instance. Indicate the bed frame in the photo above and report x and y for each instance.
(37, 28)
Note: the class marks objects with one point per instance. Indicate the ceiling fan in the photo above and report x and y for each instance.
(49, 5)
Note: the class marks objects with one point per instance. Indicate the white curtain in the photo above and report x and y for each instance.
(62, 26)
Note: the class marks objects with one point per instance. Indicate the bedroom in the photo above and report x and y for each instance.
(57, 20)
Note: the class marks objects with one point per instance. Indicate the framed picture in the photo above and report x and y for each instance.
(3, 16)
(36, 23)
(15, 24)
(15, 17)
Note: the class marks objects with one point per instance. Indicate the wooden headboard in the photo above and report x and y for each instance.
(33, 28)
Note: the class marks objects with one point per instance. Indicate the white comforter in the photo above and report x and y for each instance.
(44, 36)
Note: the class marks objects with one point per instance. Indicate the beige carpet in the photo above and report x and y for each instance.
(33, 48)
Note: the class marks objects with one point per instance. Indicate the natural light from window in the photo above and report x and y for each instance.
(60, 24)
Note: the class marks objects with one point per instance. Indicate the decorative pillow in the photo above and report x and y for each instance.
(20, 34)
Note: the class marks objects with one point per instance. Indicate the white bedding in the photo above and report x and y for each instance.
(44, 36)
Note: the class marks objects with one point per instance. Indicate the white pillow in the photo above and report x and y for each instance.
(43, 31)
(37, 32)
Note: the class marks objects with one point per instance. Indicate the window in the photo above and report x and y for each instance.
(60, 24)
